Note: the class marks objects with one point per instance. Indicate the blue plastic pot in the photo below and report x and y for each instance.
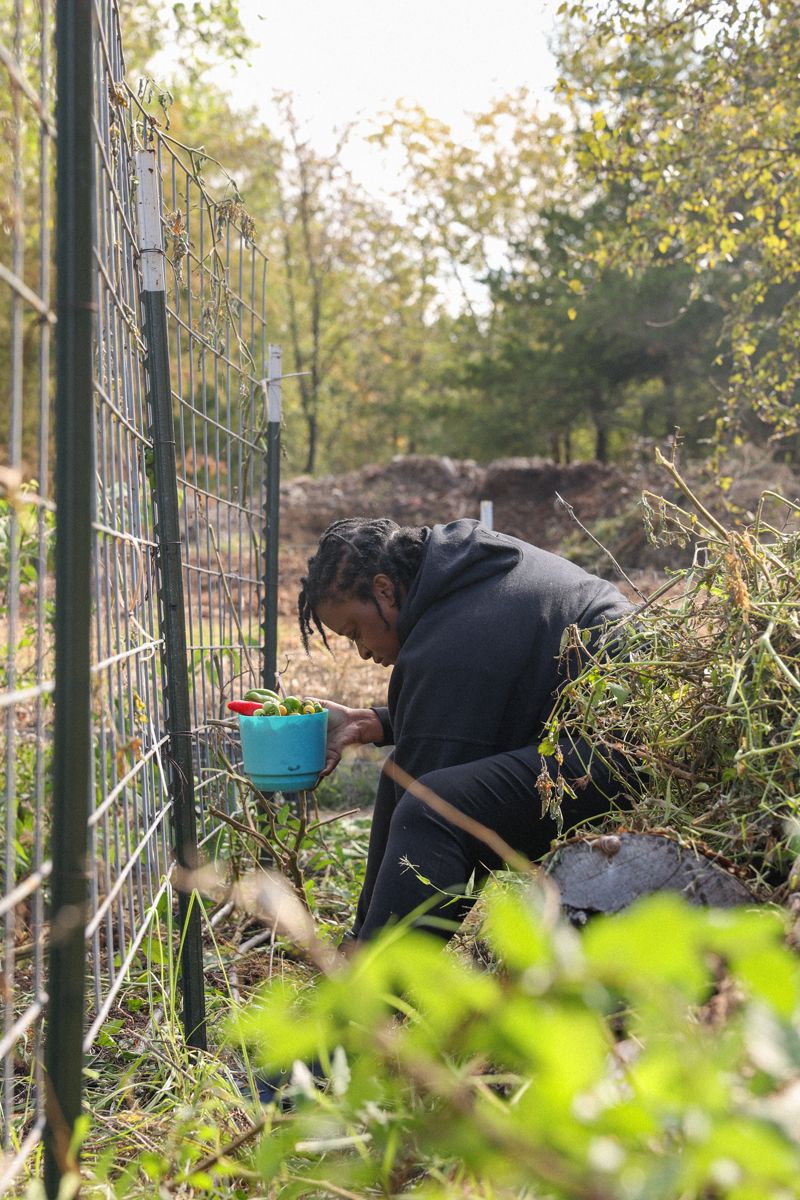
(284, 754)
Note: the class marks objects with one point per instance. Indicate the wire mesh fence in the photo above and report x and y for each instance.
(216, 301)
(26, 533)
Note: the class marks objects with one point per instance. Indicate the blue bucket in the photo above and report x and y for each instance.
(284, 754)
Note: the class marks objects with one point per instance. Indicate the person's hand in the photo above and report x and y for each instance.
(347, 727)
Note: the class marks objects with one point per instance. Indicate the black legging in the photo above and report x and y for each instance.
(499, 792)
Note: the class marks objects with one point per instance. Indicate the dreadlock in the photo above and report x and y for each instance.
(350, 554)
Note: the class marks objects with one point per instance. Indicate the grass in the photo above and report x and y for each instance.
(159, 1109)
(168, 1121)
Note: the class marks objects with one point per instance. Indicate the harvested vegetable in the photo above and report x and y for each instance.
(261, 702)
(245, 708)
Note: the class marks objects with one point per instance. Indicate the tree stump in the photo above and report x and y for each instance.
(607, 873)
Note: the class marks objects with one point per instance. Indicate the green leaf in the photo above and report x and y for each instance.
(516, 932)
(655, 943)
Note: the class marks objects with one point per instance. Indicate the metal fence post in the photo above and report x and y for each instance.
(74, 497)
(171, 595)
(272, 386)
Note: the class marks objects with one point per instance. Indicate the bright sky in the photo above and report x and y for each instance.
(347, 58)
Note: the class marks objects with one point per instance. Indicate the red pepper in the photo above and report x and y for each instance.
(245, 707)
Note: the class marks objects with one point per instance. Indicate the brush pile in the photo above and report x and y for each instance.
(703, 701)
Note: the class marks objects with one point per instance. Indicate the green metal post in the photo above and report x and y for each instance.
(172, 614)
(74, 485)
(273, 509)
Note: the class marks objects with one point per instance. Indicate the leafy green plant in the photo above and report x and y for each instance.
(27, 532)
(320, 854)
(656, 1055)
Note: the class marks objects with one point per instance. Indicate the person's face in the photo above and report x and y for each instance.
(371, 627)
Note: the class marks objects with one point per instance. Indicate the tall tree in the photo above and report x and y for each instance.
(349, 296)
(551, 345)
(694, 107)
(472, 203)
(347, 281)
(572, 355)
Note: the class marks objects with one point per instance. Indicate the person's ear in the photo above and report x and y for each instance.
(383, 589)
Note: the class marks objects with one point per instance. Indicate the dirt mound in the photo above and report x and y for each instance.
(525, 492)
(412, 490)
(606, 499)
(419, 490)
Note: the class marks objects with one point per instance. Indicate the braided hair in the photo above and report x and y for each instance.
(350, 554)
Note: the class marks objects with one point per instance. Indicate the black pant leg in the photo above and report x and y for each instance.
(386, 798)
(427, 860)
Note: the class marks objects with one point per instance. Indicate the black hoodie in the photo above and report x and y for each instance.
(480, 631)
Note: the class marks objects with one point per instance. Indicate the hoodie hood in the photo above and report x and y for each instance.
(457, 555)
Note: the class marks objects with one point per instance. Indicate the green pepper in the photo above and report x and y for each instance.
(262, 694)
(270, 708)
(292, 704)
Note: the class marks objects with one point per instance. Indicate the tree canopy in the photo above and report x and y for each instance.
(558, 282)
(693, 109)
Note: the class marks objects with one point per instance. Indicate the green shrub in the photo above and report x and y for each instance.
(654, 1056)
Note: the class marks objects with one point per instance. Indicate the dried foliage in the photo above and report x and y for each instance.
(702, 705)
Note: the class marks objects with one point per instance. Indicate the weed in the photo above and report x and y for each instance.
(698, 715)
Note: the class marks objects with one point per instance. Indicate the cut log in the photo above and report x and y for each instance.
(607, 873)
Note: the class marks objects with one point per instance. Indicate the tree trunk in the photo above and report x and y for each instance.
(601, 444)
(607, 873)
(313, 435)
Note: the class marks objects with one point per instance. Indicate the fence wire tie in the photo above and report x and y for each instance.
(277, 379)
